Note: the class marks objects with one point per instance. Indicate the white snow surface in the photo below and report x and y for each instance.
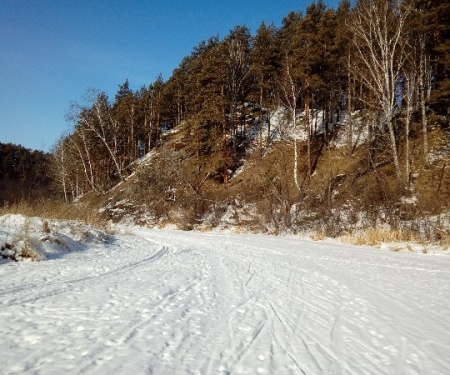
(152, 301)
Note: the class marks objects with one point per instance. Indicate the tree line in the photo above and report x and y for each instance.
(389, 58)
(24, 174)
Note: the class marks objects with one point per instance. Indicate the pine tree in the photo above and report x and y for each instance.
(123, 91)
(344, 77)
(439, 17)
(265, 63)
(237, 80)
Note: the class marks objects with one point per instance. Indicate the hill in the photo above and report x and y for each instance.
(331, 124)
(348, 191)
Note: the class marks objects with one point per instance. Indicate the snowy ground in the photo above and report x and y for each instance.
(169, 302)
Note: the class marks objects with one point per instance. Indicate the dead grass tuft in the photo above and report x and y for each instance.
(27, 252)
(374, 237)
(51, 209)
(318, 236)
(45, 227)
(164, 223)
(444, 239)
(205, 228)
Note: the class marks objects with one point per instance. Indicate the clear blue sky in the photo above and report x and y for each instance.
(52, 51)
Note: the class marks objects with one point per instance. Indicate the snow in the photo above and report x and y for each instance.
(149, 301)
(43, 240)
(283, 128)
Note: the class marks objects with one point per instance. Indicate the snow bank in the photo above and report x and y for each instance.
(37, 239)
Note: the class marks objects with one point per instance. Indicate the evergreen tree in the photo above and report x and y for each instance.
(265, 64)
(439, 20)
(24, 173)
(123, 92)
(343, 74)
(237, 82)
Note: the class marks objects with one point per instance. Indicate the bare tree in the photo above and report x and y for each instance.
(378, 35)
(411, 73)
(290, 91)
(81, 144)
(105, 129)
(60, 164)
(423, 79)
(96, 128)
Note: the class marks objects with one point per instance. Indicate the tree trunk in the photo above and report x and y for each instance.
(407, 125)
(308, 138)
(261, 120)
(422, 88)
(390, 126)
(224, 142)
(349, 105)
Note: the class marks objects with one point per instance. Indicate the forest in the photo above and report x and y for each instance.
(25, 174)
(336, 111)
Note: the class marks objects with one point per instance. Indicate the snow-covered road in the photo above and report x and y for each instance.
(168, 302)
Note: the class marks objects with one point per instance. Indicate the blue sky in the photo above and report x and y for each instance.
(52, 51)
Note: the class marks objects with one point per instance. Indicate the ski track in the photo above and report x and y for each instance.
(168, 302)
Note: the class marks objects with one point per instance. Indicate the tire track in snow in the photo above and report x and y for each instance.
(177, 304)
(226, 289)
(69, 284)
(97, 256)
(127, 334)
(278, 284)
(283, 346)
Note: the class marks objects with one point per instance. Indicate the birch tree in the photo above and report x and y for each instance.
(106, 130)
(60, 165)
(410, 84)
(97, 119)
(81, 144)
(378, 34)
(290, 90)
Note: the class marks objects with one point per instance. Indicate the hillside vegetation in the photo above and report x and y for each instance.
(337, 121)
(347, 192)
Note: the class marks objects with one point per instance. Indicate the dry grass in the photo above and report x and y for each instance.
(374, 237)
(445, 244)
(396, 249)
(443, 238)
(28, 252)
(205, 228)
(50, 209)
(318, 236)
(164, 223)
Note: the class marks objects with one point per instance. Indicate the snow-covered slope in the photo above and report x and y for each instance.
(168, 302)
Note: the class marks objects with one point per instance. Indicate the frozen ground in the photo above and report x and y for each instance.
(169, 302)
